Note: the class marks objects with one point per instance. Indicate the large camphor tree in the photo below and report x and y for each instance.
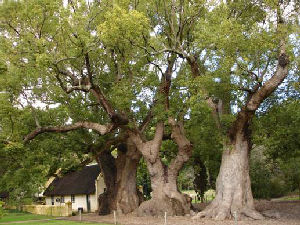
(256, 72)
(124, 68)
(255, 66)
(84, 59)
(165, 196)
(164, 103)
(239, 52)
(51, 57)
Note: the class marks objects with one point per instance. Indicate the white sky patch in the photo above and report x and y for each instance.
(132, 62)
(146, 95)
(217, 79)
(42, 105)
(36, 104)
(69, 121)
(106, 69)
(156, 30)
(28, 99)
(65, 3)
(295, 40)
(152, 34)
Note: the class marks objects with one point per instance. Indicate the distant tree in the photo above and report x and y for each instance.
(207, 150)
(277, 131)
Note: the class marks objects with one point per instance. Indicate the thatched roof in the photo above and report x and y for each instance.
(78, 182)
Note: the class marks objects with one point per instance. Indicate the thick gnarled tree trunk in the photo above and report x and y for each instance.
(128, 197)
(165, 194)
(233, 187)
(119, 173)
(107, 199)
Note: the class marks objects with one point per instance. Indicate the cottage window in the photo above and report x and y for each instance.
(62, 199)
(72, 198)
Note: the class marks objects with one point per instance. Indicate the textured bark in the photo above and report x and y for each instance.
(233, 187)
(107, 199)
(165, 194)
(128, 197)
(121, 193)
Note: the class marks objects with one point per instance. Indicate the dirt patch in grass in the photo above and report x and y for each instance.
(289, 212)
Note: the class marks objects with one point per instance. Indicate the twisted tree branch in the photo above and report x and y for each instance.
(101, 129)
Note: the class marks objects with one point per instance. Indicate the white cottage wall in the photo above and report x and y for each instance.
(80, 202)
(81, 199)
(48, 201)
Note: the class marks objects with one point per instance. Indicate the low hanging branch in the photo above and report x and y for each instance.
(101, 129)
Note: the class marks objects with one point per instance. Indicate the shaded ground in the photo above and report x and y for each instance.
(289, 212)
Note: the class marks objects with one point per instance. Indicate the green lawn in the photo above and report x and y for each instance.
(56, 222)
(208, 195)
(14, 215)
(290, 198)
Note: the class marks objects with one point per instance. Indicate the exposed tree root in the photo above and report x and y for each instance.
(233, 187)
(158, 207)
(228, 211)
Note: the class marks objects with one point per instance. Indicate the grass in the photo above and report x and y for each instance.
(290, 198)
(14, 215)
(56, 222)
(208, 195)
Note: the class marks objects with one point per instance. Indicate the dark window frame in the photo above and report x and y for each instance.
(73, 198)
(62, 199)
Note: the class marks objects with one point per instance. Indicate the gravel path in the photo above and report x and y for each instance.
(289, 212)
